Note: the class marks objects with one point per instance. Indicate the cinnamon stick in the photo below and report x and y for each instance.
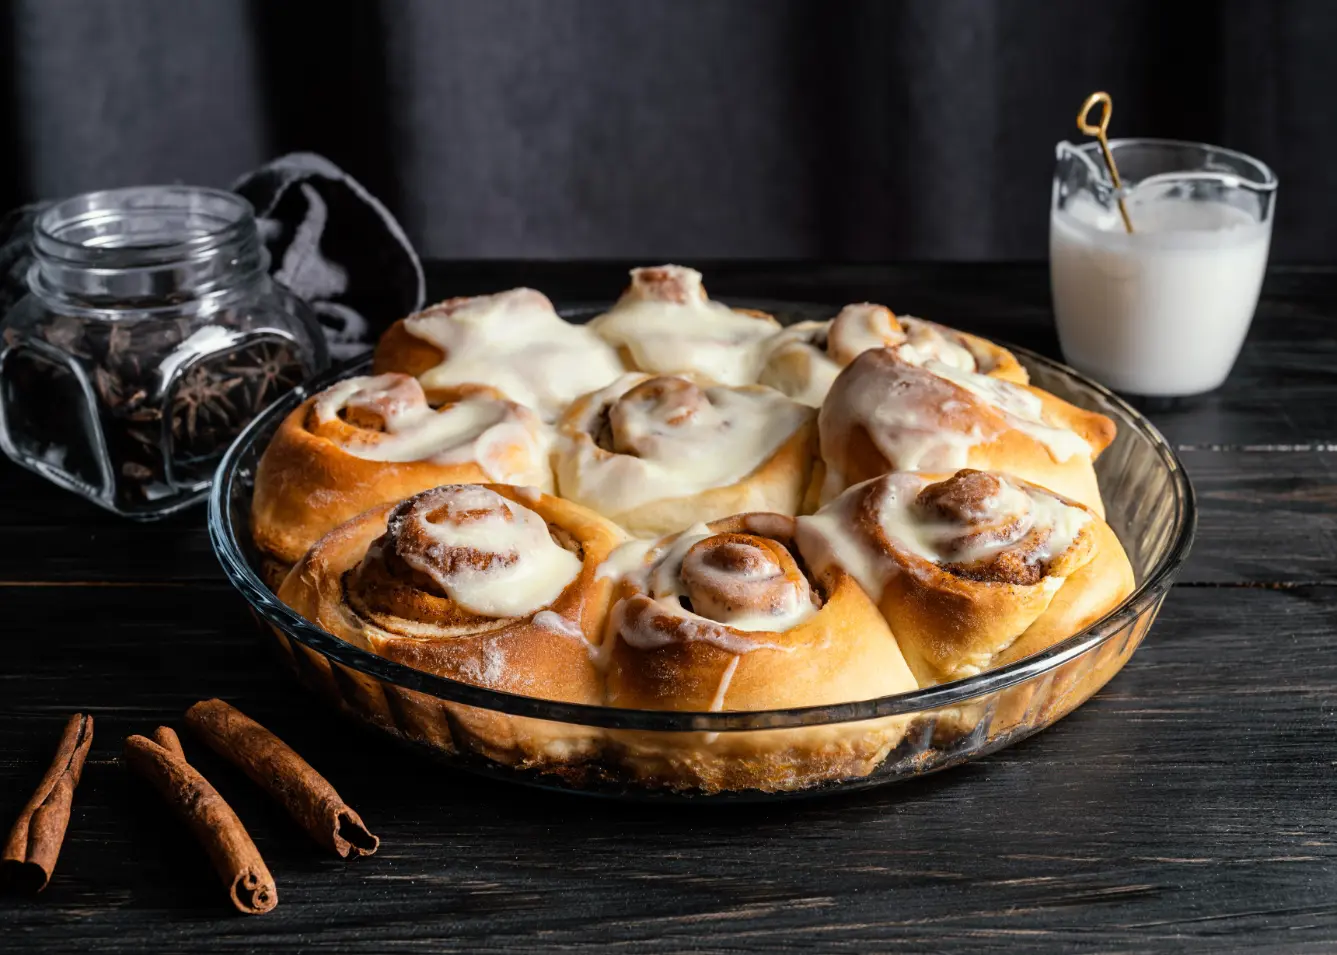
(272, 764)
(166, 737)
(210, 818)
(34, 843)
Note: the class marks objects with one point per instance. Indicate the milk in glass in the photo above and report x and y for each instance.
(1165, 309)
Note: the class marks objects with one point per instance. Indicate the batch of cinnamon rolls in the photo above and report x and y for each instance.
(684, 506)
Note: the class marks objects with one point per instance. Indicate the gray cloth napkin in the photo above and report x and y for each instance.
(15, 230)
(330, 241)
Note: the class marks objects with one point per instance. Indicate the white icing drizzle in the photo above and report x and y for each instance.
(689, 628)
(659, 577)
(905, 411)
(832, 536)
(491, 669)
(1023, 409)
(666, 583)
(717, 703)
(928, 341)
(794, 365)
(528, 493)
(901, 411)
(859, 327)
(685, 444)
(667, 324)
(625, 560)
(515, 342)
(505, 439)
(556, 623)
(803, 360)
(527, 571)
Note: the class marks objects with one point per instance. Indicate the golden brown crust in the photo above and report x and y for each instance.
(955, 620)
(513, 340)
(842, 652)
(794, 360)
(1003, 364)
(757, 313)
(962, 500)
(402, 351)
(665, 323)
(675, 285)
(856, 432)
(308, 483)
(1040, 701)
(628, 357)
(779, 484)
(399, 350)
(273, 571)
(351, 585)
(804, 359)
(375, 597)
(992, 359)
(1088, 594)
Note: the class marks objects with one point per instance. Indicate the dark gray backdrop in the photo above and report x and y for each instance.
(670, 128)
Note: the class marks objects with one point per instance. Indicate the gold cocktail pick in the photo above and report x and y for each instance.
(1098, 130)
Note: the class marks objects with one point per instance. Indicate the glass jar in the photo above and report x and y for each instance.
(150, 336)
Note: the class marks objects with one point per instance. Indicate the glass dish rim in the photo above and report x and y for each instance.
(223, 536)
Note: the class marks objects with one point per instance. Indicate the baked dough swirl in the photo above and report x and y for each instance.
(513, 341)
(972, 570)
(885, 414)
(488, 584)
(803, 360)
(370, 440)
(657, 453)
(726, 616)
(664, 323)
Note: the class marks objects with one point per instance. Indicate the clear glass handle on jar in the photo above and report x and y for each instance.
(54, 426)
(151, 335)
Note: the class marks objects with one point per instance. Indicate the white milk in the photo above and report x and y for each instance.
(1163, 311)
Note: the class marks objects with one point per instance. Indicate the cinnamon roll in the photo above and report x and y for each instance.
(487, 584)
(972, 570)
(726, 616)
(885, 414)
(665, 323)
(371, 440)
(655, 454)
(803, 360)
(513, 341)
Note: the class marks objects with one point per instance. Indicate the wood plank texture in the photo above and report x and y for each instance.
(1263, 517)
(1187, 804)
(1188, 807)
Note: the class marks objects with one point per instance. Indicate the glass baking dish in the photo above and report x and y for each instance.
(653, 754)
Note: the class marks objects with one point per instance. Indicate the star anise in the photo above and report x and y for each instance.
(119, 350)
(270, 370)
(67, 334)
(203, 399)
(108, 386)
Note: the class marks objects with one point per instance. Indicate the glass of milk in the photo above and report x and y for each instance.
(1163, 310)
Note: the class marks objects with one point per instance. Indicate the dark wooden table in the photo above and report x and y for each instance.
(1190, 806)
